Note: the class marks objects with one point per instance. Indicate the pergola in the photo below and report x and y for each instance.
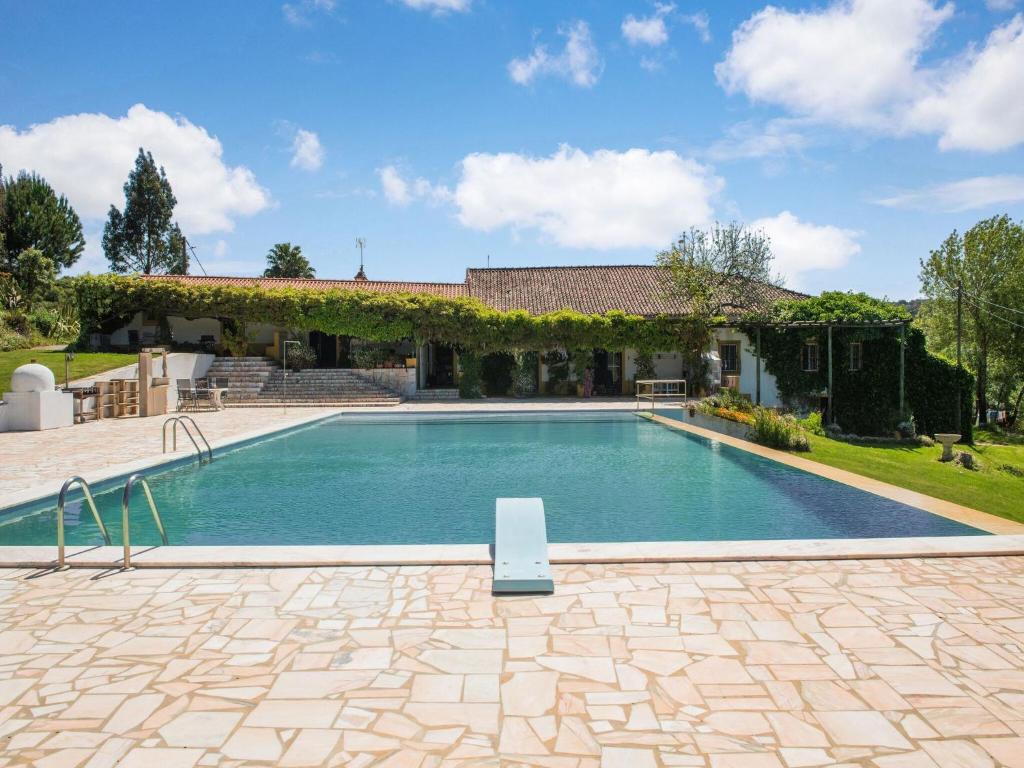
(829, 325)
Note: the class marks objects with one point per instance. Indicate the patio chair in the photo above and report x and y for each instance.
(222, 383)
(186, 394)
(202, 394)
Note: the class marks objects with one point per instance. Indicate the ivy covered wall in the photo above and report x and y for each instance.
(865, 401)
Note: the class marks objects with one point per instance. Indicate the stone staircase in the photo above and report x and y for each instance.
(256, 382)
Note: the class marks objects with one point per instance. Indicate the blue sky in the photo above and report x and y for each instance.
(856, 133)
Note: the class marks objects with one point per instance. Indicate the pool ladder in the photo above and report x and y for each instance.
(184, 421)
(125, 522)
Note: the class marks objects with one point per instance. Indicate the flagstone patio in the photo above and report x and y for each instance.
(889, 663)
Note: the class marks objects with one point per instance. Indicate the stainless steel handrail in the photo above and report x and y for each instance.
(176, 420)
(124, 515)
(62, 500)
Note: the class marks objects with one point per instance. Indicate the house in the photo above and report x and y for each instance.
(633, 289)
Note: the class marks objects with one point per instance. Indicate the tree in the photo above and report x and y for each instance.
(715, 272)
(987, 261)
(286, 260)
(35, 274)
(718, 270)
(35, 218)
(143, 237)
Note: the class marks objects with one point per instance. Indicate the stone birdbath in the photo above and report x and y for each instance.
(947, 439)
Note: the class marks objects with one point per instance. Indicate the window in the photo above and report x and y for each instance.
(729, 352)
(856, 355)
(809, 356)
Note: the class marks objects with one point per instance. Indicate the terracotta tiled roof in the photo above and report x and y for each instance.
(638, 289)
(451, 290)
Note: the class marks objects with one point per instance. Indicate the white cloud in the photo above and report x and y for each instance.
(649, 30)
(439, 6)
(1001, 5)
(700, 22)
(307, 152)
(962, 195)
(754, 141)
(578, 62)
(400, 191)
(88, 157)
(801, 247)
(856, 63)
(299, 14)
(602, 200)
(979, 103)
(853, 62)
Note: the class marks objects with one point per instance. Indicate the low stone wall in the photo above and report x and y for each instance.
(400, 380)
(713, 423)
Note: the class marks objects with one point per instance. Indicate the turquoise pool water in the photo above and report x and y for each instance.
(395, 479)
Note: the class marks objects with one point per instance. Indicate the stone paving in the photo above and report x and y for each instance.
(888, 663)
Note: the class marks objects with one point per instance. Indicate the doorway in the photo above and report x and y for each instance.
(441, 369)
(325, 345)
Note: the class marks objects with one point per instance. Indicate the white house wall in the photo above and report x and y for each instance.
(748, 368)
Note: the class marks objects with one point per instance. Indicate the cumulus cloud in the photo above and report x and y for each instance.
(88, 157)
(978, 104)
(439, 6)
(307, 152)
(853, 62)
(801, 247)
(962, 195)
(602, 200)
(401, 191)
(578, 62)
(856, 63)
(1001, 5)
(649, 30)
(701, 23)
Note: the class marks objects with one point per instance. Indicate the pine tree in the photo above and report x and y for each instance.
(33, 217)
(143, 237)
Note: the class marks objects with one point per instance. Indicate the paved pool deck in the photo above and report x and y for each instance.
(911, 663)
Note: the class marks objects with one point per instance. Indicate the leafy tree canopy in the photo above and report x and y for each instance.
(286, 260)
(33, 217)
(987, 261)
(143, 238)
(35, 274)
(720, 269)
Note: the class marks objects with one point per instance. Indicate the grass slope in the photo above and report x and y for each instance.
(990, 489)
(84, 364)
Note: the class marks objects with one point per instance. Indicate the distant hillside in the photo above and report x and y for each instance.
(912, 306)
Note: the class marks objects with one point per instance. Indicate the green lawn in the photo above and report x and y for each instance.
(84, 364)
(990, 489)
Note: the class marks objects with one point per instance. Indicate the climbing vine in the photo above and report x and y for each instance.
(107, 302)
(865, 399)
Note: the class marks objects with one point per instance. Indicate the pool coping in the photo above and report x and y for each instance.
(1007, 538)
(43, 557)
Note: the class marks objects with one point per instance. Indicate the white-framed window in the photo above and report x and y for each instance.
(729, 352)
(809, 356)
(856, 355)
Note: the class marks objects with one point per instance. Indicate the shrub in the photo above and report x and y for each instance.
(812, 423)
(301, 356)
(777, 431)
(925, 441)
(469, 377)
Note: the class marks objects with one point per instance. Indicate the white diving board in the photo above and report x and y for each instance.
(521, 548)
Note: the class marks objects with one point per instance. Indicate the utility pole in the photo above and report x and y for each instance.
(959, 336)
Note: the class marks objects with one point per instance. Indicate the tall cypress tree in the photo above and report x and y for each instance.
(143, 238)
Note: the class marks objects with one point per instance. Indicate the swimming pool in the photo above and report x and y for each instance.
(418, 479)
